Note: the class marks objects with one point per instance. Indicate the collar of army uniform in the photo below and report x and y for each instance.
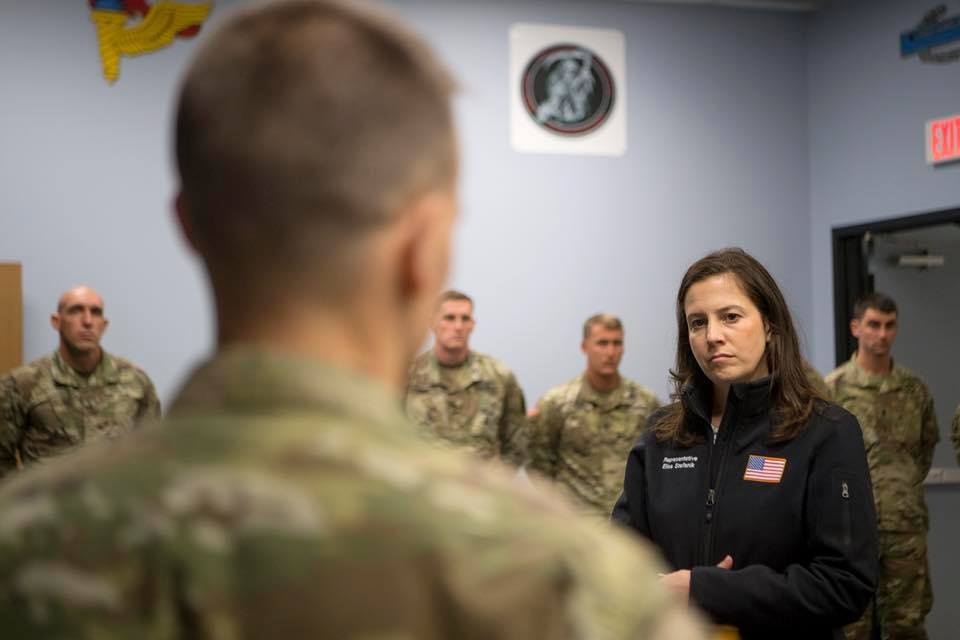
(465, 374)
(863, 378)
(604, 400)
(252, 379)
(104, 373)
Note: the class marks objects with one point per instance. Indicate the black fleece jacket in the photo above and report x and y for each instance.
(803, 542)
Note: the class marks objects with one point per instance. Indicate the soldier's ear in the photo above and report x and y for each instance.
(55, 321)
(429, 220)
(855, 327)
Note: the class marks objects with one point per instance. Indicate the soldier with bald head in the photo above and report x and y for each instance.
(77, 394)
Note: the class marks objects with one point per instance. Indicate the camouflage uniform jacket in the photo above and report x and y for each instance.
(581, 438)
(284, 498)
(899, 426)
(955, 433)
(477, 405)
(816, 380)
(47, 408)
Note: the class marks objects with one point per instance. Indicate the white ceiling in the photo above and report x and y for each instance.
(776, 5)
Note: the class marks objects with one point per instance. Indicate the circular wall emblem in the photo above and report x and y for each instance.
(568, 89)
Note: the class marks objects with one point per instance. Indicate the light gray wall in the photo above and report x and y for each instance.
(867, 113)
(744, 128)
(717, 156)
(928, 302)
(87, 185)
(929, 305)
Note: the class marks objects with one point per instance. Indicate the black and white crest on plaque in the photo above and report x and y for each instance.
(568, 89)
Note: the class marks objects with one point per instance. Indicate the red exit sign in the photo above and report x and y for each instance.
(943, 140)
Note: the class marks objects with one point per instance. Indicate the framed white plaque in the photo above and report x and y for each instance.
(568, 90)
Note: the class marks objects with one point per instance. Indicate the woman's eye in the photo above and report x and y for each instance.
(696, 323)
(732, 317)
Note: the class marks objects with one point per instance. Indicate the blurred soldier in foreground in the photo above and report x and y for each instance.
(463, 397)
(286, 496)
(584, 429)
(78, 394)
(895, 411)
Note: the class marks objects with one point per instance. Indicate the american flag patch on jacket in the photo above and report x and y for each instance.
(764, 469)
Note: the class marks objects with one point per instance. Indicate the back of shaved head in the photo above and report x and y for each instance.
(302, 126)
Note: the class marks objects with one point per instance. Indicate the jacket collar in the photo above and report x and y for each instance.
(746, 402)
(456, 378)
(860, 377)
(254, 380)
(604, 400)
(104, 373)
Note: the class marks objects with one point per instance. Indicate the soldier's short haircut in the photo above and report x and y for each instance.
(605, 320)
(453, 294)
(873, 300)
(302, 125)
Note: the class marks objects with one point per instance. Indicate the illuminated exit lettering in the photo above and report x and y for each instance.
(943, 140)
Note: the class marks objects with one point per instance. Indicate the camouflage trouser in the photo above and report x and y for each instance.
(904, 596)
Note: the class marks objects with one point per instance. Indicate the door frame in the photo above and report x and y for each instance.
(851, 276)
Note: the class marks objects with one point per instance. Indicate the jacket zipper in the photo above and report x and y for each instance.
(711, 511)
(713, 490)
(847, 520)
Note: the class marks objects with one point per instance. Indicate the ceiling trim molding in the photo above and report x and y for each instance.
(772, 5)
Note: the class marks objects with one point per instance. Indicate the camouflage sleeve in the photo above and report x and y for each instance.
(528, 575)
(544, 437)
(514, 435)
(150, 405)
(817, 382)
(955, 435)
(616, 593)
(11, 424)
(929, 437)
(830, 383)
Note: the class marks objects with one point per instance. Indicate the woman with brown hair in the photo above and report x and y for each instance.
(754, 487)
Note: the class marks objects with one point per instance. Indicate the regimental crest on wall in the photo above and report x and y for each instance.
(135, 27)
(568, 90)
(936, 39)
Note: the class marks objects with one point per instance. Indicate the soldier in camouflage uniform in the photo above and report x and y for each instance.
(286, 496)
(895, 411)
(583, 430)
(464, 398)
(78, 394)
